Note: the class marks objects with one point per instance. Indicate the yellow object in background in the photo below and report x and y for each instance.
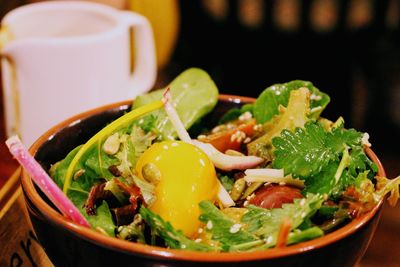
(6, 36)
(120, 4)
(164, 18)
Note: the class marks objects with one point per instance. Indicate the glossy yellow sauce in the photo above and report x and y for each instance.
(187, 177)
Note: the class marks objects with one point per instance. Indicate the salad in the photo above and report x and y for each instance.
(269, 174)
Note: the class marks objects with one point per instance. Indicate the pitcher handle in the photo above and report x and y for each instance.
(144, 67)
(11, 96)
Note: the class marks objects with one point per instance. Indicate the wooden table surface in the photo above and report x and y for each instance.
(384, 249)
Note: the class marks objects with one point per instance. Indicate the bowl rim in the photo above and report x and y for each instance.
(143, 250)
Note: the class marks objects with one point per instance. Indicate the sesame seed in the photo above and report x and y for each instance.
(209, 225)
(201, 137)
(247, 140)
(238, 136)
(78, 174)
(233, 137)
(365, 140)
(230, 126)
(315, 97)
(269, 239)
(315, 109)
(250, 196)
(170, 234)
(257, 127)
(245, 116)
(235, 228)
(219, 128)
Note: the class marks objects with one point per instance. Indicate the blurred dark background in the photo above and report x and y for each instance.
(347, 48)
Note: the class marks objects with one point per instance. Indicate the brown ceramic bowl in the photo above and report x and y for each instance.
(68, 244)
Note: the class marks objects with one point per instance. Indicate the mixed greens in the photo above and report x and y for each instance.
(271, 173)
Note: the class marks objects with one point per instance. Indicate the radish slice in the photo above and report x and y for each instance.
(223, 196)
(226, 162)
(44, 182)
(174, 118)
(220, 160)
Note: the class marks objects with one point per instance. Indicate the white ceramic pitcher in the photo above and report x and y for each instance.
(65, 57)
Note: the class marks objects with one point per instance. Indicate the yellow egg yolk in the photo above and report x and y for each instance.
(187, 177)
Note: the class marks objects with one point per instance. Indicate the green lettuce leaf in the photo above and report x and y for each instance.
(89, 172)
(266, 222)
(297, 236)
(224, 229)
(235, 113)
(102, 221)
(194, 95)
(305, 151)
(268, 102)
(57, 171)
(328, 161)
(131, 148)
(388, 186)
(295, 115)
(227, 182)
(173, 238)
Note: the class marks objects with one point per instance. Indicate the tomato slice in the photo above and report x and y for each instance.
(231, 138)
(273, 196)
